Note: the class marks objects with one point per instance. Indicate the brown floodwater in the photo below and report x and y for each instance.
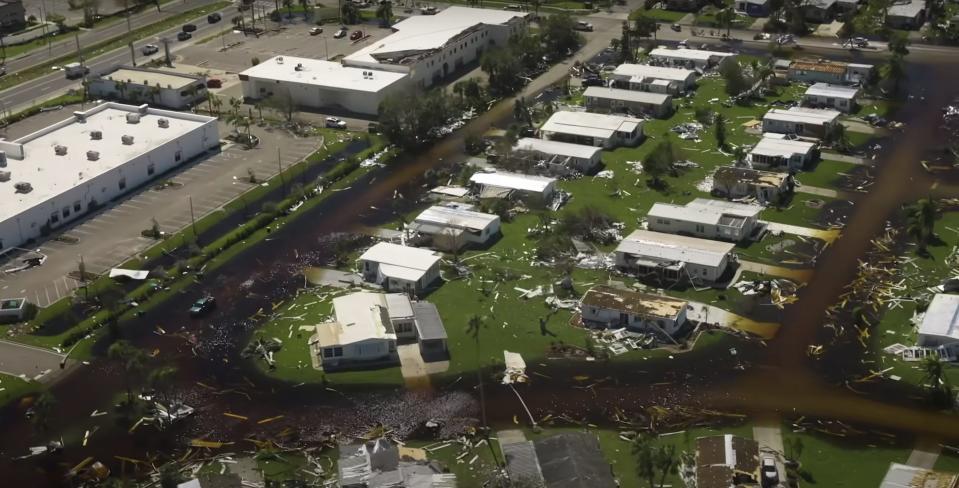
(776, 377)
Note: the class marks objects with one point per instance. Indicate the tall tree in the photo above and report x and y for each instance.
(133, 362)
(350, 13)
(934, 376)
(921, 222)
(725, 18)
(665, 460)
(474, 329)
(626, 44)
(645, 455)
(559, 34)
(289, 8)
(894, 72)
(660, 161)
(644, 25)
(719, 125)
(384, 12)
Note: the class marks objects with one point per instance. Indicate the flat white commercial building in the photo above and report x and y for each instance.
(648, 78)
(155, 87)
(452, 227)
(827, 95)
(431, 47)
(501, 184)
(55, 175)
(705, 218)
(560, 157)
(802, 121)
(774, 151)
(315, 83)
(671, 257)
(616, 100)
(399, 268)
(690, 58)
(615, 308)
(601, 130)
(940, 324)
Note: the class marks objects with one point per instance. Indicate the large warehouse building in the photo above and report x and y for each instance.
(423, 51)
(57, 174)
(315, 83)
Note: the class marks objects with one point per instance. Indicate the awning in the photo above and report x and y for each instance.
(133, 274)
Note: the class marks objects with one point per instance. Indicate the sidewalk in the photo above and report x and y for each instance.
(826, 235)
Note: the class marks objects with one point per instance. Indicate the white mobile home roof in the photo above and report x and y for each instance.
(657, 72)
(455, 217)
(513, 181)
(32, 158)
(359, 316)
(323, 74)
(690, 54)
(588, 124)
(557, 148)
(674, 247)
(412, 258)
(627, 95)
(775, 146)
(942, 317)
(703, 210)
(429, 32)
(803, 115)
(832, 91)
(909, 10)
(151, 77)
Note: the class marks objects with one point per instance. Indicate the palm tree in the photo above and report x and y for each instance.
(725, 18)
(935, 376)
(238, 21)
(307, 8)
(894, 71)
(921, 222)
(350, 14)
(289, 8)
(473, 328)
(665, 460)
(133, 362)
(645, 459)
(385, 13)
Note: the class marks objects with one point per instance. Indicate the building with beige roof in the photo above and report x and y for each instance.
(610, 307)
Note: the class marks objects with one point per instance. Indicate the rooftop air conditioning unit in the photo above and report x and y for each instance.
(60, 150)
(279, 60)
(96, 135)
(299, 67)
(133, 118)
(127, 140)
(93, 155)
(163, 123)
(4, 176)
(23, 187)
(80, 116)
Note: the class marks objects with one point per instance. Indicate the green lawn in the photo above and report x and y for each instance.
(826, 174)
(802, 210)
(827, 462)
(12, 387)
(948, 461)
(663, 15)
(895, 325)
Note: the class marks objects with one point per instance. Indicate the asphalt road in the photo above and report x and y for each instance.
(67, 43)
(42, 87)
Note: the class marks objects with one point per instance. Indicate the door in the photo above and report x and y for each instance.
(623, 319)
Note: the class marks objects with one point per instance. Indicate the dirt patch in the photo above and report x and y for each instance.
(834, 214)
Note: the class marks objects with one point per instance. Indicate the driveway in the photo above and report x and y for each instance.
(113, 235)
(826, 235)
(704, 312)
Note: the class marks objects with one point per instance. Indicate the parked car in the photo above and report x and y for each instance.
(584, 26)
(214, 17)
(676, 27)
(189, 27)
(684, 43)
(183, 36)
(315, 31)
(513, 6)
(859, 42)
(592, 81)
(335, 123)
(770, 473)
(202, 306)
(340, 33)
(149, 49)
(428, 11)
(355, 35)
(214, 83)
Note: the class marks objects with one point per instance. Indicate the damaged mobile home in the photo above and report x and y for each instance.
(707, 219)
(559, 157)
(764, 186)
(613, 308)
(453, 227)
(399, 268)
(670, 258)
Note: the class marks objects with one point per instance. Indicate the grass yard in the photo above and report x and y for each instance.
(895, 325)
(826, 174)
(663, 15)
(12, 387)
(802, 210)
(827, 462)
(948, 461)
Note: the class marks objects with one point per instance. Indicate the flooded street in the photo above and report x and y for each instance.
(778, 377)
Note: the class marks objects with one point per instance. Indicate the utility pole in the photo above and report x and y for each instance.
(133, 54)
(166, 50)
(193, 221)
(83, 71)
(279, 165)
(126, 8)
(43, 22)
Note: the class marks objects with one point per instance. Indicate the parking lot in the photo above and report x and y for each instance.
(114, 234)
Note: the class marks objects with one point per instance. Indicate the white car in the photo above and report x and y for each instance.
(149, 49)
(584, 26)
(335, 123)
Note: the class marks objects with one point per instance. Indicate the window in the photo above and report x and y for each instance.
(177, 156)
(54, 217)
(700, 228)
(150, 169)
(122, 184)
(77, 206)
(65, 212)
(337, 352)
(328, 352)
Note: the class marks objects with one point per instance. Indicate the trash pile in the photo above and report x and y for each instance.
(515, 368)
(621, 341)
(781, 292)
(263, 349)
(374, 160)
(688, 130)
